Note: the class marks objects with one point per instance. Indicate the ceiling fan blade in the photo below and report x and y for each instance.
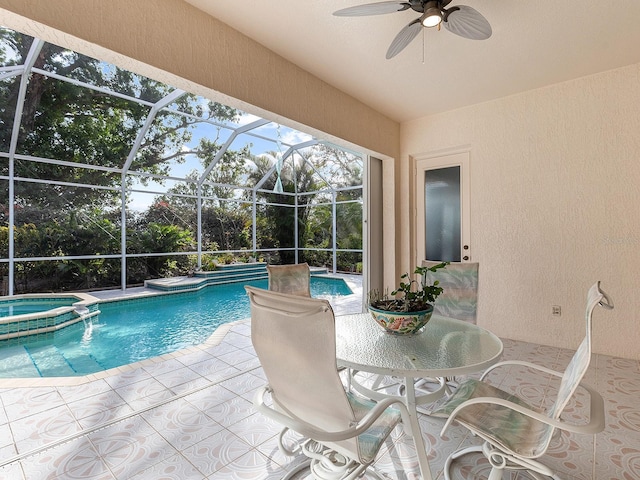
(468, 23)
(379, 8)
(404, 38)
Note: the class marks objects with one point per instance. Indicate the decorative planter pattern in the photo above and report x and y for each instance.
(401, 323)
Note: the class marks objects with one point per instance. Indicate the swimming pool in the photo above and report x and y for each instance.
(128, 331)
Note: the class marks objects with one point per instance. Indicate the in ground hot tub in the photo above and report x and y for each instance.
(31, 314)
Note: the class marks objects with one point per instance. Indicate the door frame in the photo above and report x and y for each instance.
(373, 226)
(431, 161)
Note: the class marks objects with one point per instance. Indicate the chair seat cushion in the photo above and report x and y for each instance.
(370, 441)
(499, 425)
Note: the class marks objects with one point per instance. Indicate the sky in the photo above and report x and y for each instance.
(286, 136)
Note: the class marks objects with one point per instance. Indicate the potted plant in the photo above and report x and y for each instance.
(410, 306)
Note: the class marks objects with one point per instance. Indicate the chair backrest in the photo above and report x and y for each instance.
(459, 298)
(294, 279)
(579, 363)
(295, 340)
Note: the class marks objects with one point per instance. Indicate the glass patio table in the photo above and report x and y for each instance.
(445, 348)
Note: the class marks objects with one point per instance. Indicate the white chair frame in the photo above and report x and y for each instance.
(290, 332)
(324, 464)
(500, 456)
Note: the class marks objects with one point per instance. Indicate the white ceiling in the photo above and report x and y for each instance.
(534, 43)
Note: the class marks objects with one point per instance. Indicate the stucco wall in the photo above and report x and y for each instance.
(555, 195)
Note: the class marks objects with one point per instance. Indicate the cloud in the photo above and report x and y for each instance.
(294, 137)
(288, 135)
(247, 118)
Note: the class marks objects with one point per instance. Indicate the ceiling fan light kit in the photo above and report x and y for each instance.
(432, 15)
(460, 20)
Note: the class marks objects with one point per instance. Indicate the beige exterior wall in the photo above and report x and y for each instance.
(555, 195)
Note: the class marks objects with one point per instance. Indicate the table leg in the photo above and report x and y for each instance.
(416, 432)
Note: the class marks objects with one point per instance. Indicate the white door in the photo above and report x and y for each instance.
(442, 211)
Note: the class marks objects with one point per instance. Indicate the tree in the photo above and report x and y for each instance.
(80, 139)
(281, 220)
(76, 124)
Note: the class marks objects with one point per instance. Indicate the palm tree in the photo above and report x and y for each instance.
(296, 177)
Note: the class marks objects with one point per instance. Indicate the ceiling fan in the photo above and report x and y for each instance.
(461, 20)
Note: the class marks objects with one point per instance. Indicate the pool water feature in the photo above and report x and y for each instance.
(29, 314)
(127, 331)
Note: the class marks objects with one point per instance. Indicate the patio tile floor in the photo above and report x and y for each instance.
(189, 416)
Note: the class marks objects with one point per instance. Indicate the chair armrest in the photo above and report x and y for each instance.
(306, 429)
(596, 413)
(530, 365)
(606, 301)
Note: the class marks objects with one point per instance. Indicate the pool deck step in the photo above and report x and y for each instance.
(222, 274)
(85, 364)
(51, 362)
(16, 363)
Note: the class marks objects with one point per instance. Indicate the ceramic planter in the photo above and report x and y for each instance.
(401, 323)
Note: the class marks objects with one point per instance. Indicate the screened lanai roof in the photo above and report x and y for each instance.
(169, 134)
(109, 177)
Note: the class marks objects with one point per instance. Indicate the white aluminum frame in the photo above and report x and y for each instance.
(27, 69)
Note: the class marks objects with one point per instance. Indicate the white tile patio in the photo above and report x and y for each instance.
(189, 415)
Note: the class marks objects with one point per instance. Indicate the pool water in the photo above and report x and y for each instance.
(132, 330)
(23, 306)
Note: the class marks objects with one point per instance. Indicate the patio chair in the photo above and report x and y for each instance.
(294, 338)
(294, 279)
(516, 434)
(459, 298)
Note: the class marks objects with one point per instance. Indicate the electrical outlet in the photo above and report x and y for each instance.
(556, 311)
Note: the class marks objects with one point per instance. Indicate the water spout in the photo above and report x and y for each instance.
(88, 328)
